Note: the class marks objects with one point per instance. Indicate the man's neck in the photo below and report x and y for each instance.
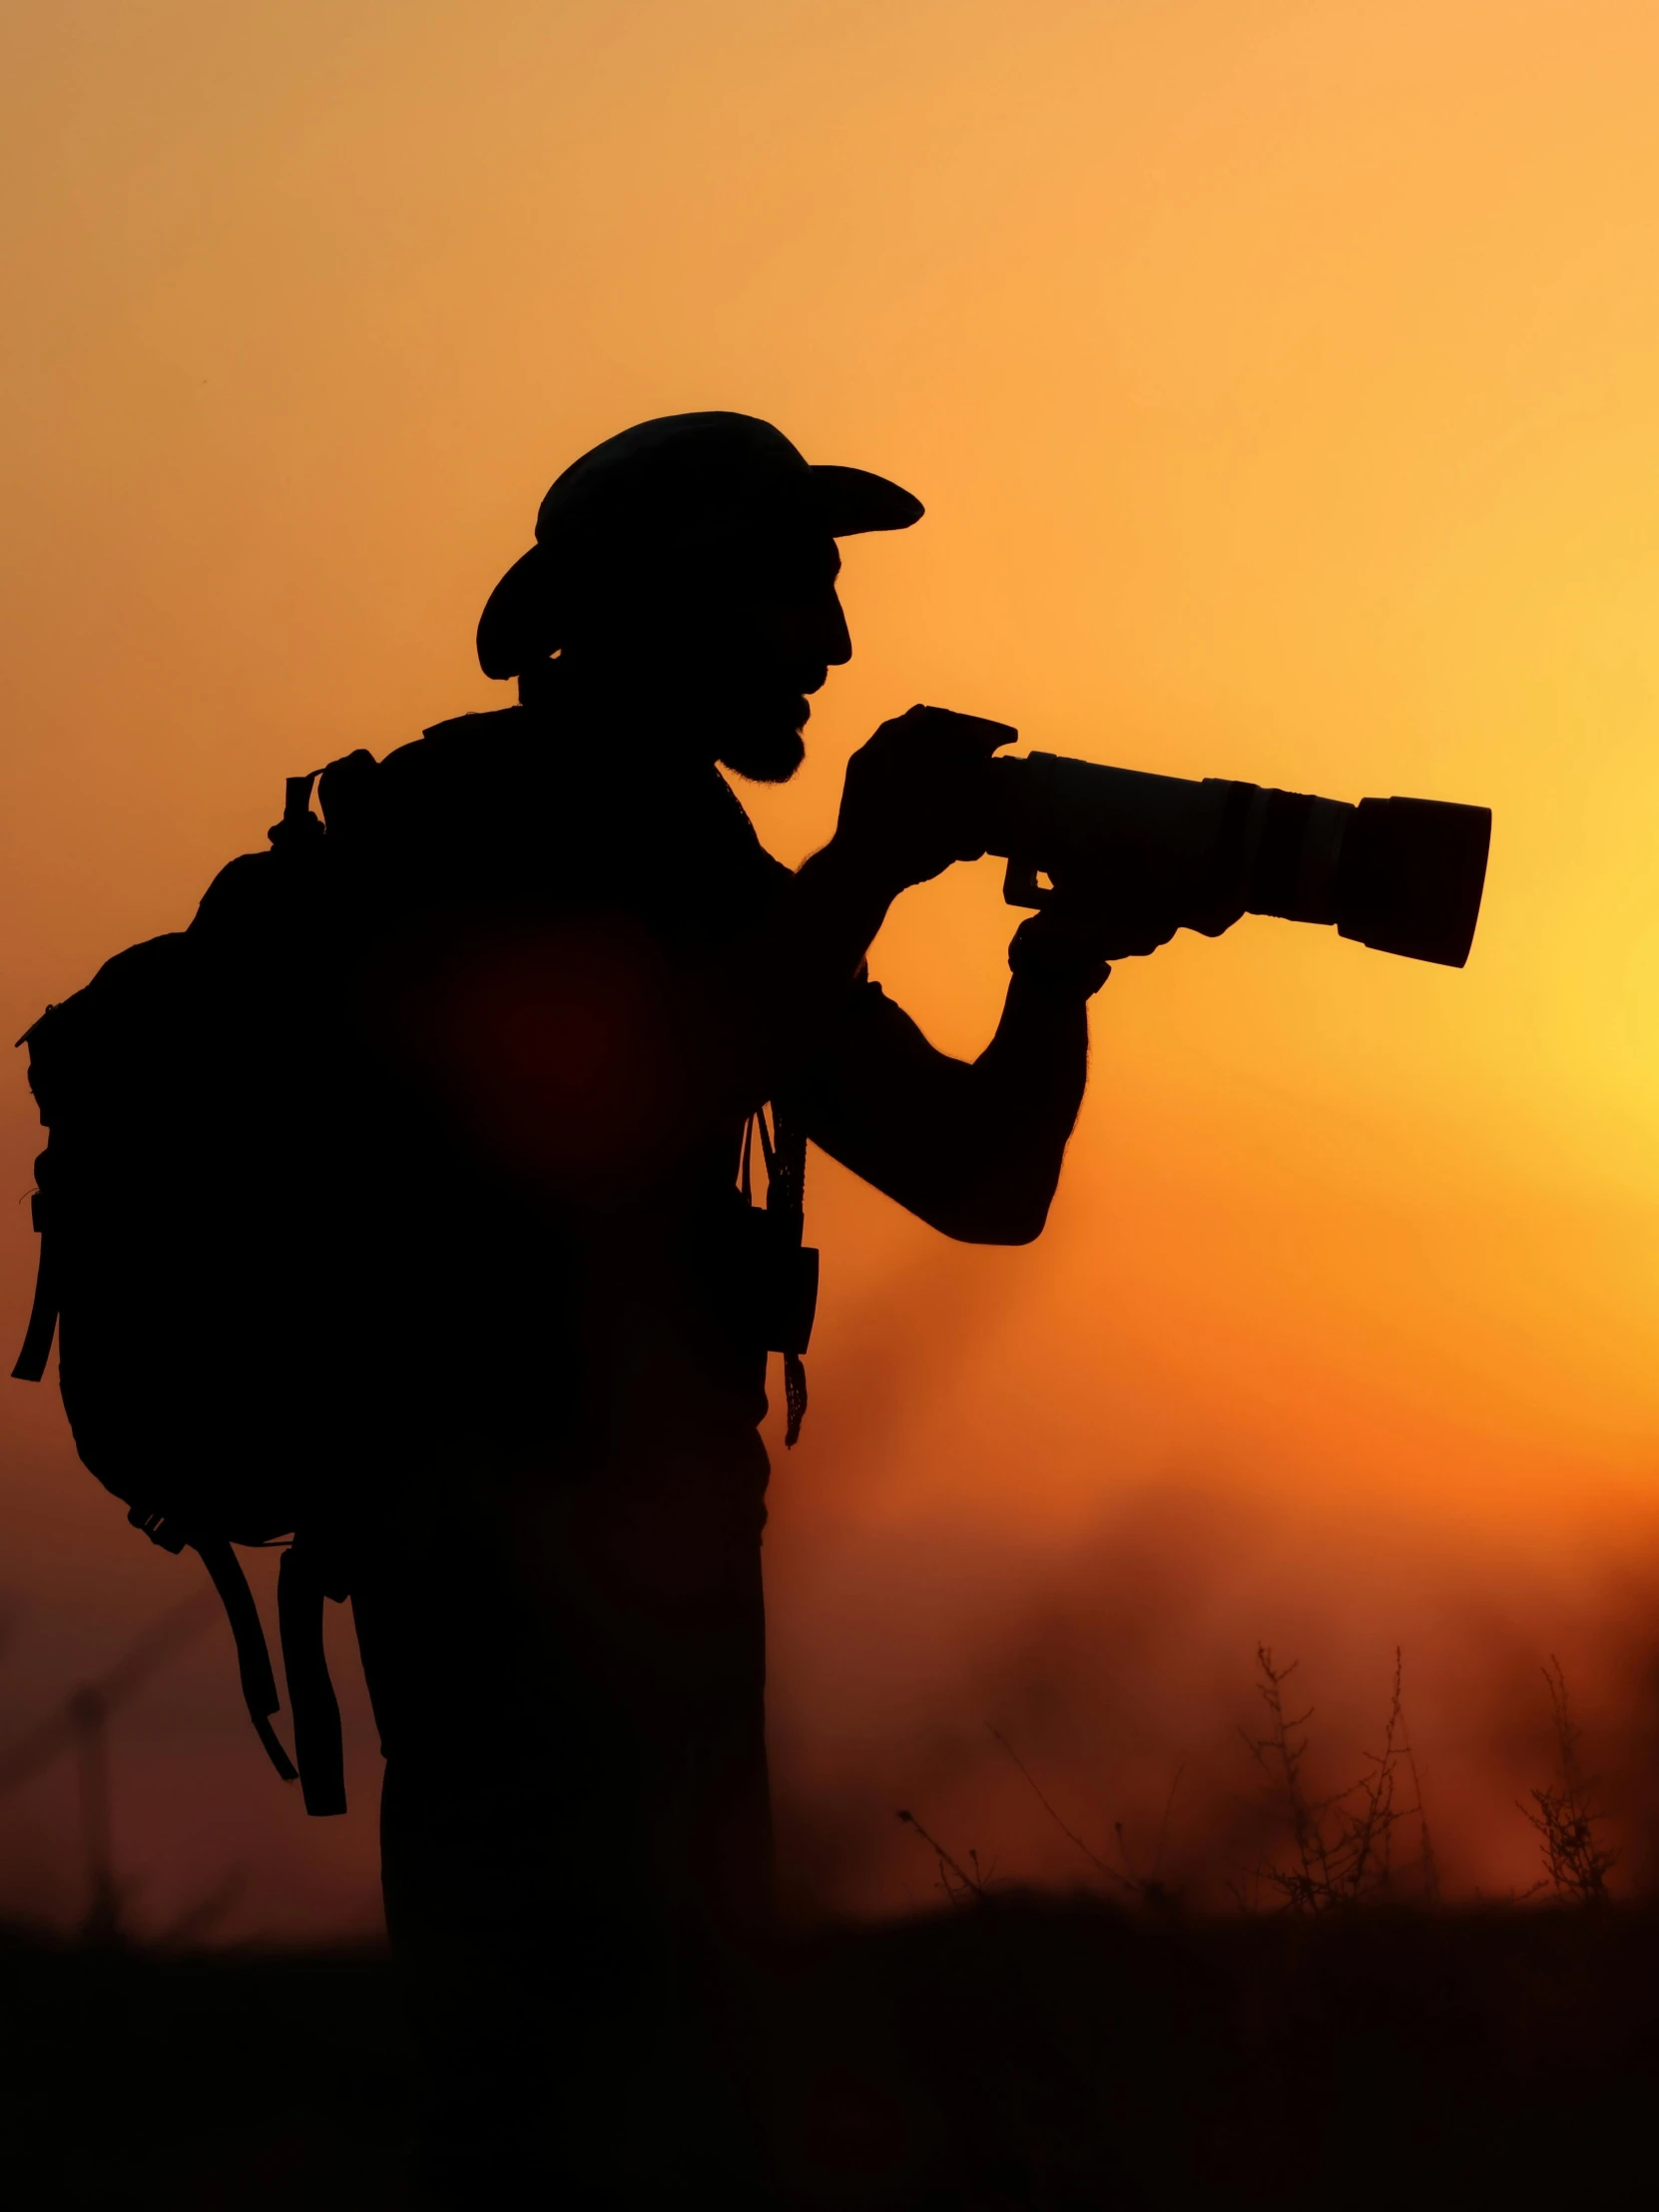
(635, 724)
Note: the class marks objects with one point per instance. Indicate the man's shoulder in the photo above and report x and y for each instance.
(507, 804)
(490, 780)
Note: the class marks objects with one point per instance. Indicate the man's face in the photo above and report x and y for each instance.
(719, 651)
(763, 642)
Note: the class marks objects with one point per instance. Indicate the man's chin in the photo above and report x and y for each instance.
(767, 753)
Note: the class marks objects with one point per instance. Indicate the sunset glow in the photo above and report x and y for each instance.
(1282, 380)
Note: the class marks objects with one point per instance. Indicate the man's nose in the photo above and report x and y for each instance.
(838, 639)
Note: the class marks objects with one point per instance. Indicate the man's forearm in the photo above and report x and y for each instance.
(972, 1148)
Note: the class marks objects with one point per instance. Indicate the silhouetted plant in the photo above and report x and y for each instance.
(81, 1726)
(1576, 1860)
(1148, 1890)
(962, 1884)
(1343, 1844)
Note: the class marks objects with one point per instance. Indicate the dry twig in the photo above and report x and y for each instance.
(1344, 1844)
(1146, 1889)
(1576, 1860)
(959, 1883)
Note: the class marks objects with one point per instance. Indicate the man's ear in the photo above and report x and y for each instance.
(536, 682)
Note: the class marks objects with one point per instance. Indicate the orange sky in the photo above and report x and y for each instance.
(1283, 382)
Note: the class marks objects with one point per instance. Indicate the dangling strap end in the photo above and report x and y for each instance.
(287, 1771)
(795, 1398)
(316, 1730)
(259, 1684)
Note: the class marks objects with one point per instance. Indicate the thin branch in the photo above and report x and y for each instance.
(955, 1878)
(1070, 1834)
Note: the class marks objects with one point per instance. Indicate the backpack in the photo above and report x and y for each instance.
(220, 1209)
(192, 1262)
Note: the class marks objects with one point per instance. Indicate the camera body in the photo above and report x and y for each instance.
(1402, 875)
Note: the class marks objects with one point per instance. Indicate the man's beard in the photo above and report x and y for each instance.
(761, 740)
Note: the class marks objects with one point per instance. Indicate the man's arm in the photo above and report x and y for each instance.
(912, 805)
(972, 1148)
(578, 1055)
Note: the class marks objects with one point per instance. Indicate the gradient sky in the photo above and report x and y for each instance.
(1282, 377)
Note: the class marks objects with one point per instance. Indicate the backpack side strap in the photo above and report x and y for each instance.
(259, 1684)
(43, 1315)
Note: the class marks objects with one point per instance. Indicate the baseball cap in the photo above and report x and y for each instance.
(682, 483)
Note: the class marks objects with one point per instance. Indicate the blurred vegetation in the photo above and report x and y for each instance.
(1009, 2050)
(1343, 2036)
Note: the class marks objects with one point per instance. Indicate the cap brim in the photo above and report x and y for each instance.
(851, 500)
(521, 617)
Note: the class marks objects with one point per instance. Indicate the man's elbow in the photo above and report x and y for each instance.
(998, 1217)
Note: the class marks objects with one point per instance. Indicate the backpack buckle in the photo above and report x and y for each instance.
(298, 825)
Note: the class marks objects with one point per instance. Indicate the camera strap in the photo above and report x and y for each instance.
(783, 1155)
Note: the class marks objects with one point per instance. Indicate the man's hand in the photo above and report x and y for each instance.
(914, 799)
(1068, 945)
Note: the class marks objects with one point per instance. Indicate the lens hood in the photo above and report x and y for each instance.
(1411, 876)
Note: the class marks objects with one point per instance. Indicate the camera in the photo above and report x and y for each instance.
(1402, 875)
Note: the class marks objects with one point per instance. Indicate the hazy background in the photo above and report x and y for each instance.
(1283, 383)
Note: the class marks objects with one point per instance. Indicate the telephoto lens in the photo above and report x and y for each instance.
(1402, 875)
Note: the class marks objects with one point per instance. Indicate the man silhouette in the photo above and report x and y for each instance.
(588, 978)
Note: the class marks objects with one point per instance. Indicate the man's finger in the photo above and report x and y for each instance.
(978, 738)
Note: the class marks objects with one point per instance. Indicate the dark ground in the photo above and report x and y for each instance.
(1020, 2052)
